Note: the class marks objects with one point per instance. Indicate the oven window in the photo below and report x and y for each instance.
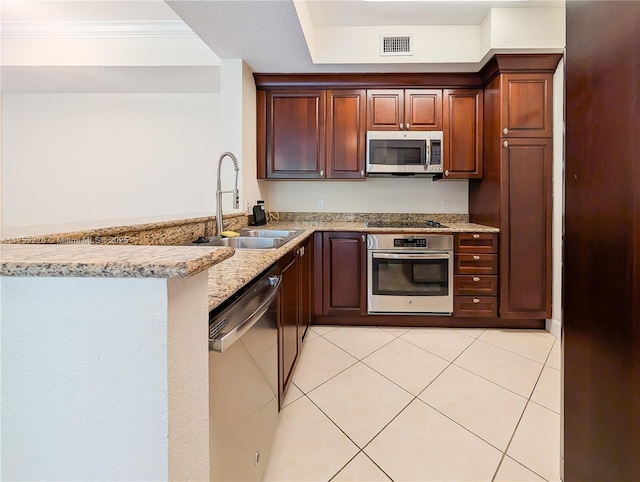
(397, 153)
(410, 277)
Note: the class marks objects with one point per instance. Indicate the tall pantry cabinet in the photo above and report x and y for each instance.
(515, 193)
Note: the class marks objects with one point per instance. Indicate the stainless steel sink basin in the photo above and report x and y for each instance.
(270, 233)
(251, 239)
(244, 242)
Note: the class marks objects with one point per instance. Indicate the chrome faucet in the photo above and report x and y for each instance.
(220, 192)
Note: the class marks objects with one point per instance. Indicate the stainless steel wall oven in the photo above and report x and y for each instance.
(410, 274)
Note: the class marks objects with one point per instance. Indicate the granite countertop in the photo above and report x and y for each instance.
(226, 278)
(108, 261)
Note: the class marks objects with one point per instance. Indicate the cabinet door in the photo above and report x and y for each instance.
(295, 134)
(525, 229)
(462, 134)
(288, 322)
(423, 110)
(526, 105)
(346, 129)
(385, 110)
(306, 285)
(344, 274)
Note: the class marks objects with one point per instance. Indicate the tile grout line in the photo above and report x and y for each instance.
(518, 425)
(360, 360)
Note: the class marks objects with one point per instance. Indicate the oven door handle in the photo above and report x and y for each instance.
(411, 256)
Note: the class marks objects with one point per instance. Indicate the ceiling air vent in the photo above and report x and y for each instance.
(396, 44)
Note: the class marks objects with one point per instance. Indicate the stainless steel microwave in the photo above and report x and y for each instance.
(408, 153)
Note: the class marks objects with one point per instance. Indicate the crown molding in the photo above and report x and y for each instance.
(117, 29)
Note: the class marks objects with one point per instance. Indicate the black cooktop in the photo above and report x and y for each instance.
(402, 225)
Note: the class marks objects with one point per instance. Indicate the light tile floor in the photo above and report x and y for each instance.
(421, 404)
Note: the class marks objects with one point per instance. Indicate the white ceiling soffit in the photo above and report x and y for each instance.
(343, 36)
(105, 46)
(82, 80)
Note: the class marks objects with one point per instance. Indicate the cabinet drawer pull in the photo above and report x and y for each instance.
(505, 144)
(476, 257)
(408, 126)
(505, 131)
(321, 173)
(476, 300)
(475, 278)
(401, 126)
(476, 236)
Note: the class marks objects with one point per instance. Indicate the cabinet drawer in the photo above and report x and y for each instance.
(471, 285)
(475, 306)
(476, 264)
(476, 243)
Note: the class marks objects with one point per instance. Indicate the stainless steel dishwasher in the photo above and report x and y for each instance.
(243, 381)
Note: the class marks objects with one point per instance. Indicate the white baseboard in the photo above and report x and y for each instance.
(554, 327)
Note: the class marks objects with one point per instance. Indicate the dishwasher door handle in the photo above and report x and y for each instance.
(219, 344)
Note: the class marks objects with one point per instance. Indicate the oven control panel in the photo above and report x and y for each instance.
(410, 243)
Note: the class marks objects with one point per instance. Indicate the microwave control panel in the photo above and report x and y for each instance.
(436, 152)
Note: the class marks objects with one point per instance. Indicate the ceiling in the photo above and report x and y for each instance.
(329, 35)
(116, 38)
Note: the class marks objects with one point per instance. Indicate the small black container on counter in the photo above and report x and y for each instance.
(259, 214)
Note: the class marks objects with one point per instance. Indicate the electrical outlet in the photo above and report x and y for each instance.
(445, 206)
(320, 204)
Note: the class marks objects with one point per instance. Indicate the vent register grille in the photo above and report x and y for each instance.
(396, 44)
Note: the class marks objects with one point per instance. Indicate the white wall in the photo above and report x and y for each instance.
(81, 157)
(238, 129)
(110, 387)
(374, 195)
(84, 393)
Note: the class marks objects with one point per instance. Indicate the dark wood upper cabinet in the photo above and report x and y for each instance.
(526, 105)
(295, 131)
(385, 109)
(423, 110)
(463, 121)
(344, 273)
(311, 134)
(345, 144)
(404, 109)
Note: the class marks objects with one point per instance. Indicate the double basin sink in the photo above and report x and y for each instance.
(251, 239)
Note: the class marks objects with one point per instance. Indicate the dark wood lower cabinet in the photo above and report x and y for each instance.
(344, 273)
(288, 321)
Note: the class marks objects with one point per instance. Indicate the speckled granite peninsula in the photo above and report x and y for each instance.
(108, 261)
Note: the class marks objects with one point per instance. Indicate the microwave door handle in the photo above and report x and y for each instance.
(411, 256)
(428, 159)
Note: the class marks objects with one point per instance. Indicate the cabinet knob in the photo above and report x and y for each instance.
(301, 251)
(321, 173)
(476, 301)
(401, 126)
(446, 172)
(505, 131)
(476, 236)
(476, 257)
(475, 278)
(505, 144)
(362, 173)
(363, 238)
(408, 126)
